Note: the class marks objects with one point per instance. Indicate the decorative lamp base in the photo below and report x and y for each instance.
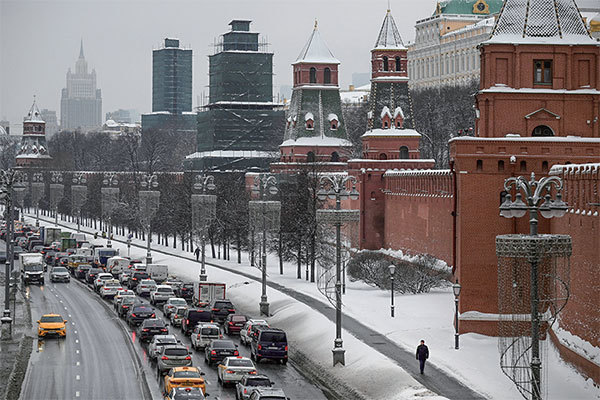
(148, 260)
(203, 278)
(339, 356)
(264, 308)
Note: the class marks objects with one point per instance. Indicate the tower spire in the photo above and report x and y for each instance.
(81, 49)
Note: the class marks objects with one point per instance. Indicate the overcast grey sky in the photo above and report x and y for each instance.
(39, 41)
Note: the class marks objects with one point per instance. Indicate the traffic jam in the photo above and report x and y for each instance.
(174, 322)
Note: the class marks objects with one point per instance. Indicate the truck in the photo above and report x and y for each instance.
(67, 243)
(85, 251)
(102, 254)
(205, 292)
(51, 235)
(116, 265)
(158, 272)
(32, 268)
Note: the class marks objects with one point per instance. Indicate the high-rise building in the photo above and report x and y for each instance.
(445, 48)
(172, 78)
(241, 125)
(33, 151)
(49, 116)
(81, 102)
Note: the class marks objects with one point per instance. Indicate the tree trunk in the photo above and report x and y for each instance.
(212, 245)
(299, 271)
(280, 252)
(312, 258)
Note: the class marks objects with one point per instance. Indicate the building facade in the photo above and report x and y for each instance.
(445, 48)
(241, 125)
(34, 150)
(49, 116)
(81, 101)
(172, 78)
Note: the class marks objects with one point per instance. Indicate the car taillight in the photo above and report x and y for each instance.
(187, 321)
(230, 372)
(252, 372)
(164, 329)
(286, 348)
(133, 315)
(164, 358)
(231, 310)
(134, 279)
(236, 353)
(213, 352)
(245, 391)
(145, 329)
(215, 309)
(125, 306)
(188, 358)
(153, 315)
(230, 323)
(259, 347)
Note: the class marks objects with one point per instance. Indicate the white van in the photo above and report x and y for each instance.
(157, 272)
(116, 265)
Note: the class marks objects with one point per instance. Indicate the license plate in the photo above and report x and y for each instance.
(226, 353)
(273, 348)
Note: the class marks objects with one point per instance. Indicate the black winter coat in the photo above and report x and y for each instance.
(422, 352)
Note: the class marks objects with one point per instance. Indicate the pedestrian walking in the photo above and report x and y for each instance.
(422, 355)
(197, 253)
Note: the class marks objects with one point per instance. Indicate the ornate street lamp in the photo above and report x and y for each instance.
(204, 211)
(533, 197)
(78, 195)
(268, 214)
(337, 191)
(57, 191)
(456, 290)
(110, 197)
(149, 201)
(392, 269)
(37, 191)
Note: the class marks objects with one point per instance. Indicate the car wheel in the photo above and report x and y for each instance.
(220, 380)
(257, 358)
(284, 361)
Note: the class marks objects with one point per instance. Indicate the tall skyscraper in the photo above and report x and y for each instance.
(81, 102)
(172, 78)
(49, 116)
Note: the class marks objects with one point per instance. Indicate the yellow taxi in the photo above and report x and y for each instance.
(52, 324)
(184, 377)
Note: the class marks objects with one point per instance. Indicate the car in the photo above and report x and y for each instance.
(161, 294)
(270, 343)
(185, 291)
(121, 293)
(250, 382)
(172, 304)
(174, 283)
(247, 330)
(136, 277)
(171, 356)
(145, 287)
(60, 274)
(81, 271)
(100, 278)
(58, 256)
(192, 317)
(49, 256)
(52, 324)
(126, 303)
(184, 377)
(220, 309)
(177, 316)
(232, 369)
(109, 288)
(16, 251)
(118, 299)
(138, 313)
(217, 350)
(125, 275)
(267, 393)
(92, 274)
(203, 333)
(37, 248)
(64, 262)
(3, 257)
(185, 393)
(71, 251)
(234, 323)
(151, 327)
(157, 342)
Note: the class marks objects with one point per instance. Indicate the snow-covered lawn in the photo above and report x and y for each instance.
(424, 316)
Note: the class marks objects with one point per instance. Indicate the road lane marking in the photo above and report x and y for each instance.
(75, 332)
(76, 340)
(65, 308)
(76, 351)
(77, 377)
(69, 315)
(76, 394)
(78, 363)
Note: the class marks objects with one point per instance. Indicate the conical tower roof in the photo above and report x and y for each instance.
(315, 51)
(540, 22)
(34, 114)
(389, 37)
(81, 49)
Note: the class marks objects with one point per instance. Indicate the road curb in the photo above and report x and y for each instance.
(20, 368)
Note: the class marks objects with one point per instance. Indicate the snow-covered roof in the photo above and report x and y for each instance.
(519, 138)
(316, 51)
(540, 22)
(234, 154)
(391, 133)
(385, 111)
(321, 141)
(398, 112)
(332, 117)
(501, 88)
(309, 116)
(389, 37)
(34, 114)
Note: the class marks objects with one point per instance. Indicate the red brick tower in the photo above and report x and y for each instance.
(33, 151)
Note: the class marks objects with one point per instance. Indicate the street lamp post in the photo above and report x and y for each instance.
(392, 269)
(537, 201)
(204, 208)
(149, 201)
(78, 195)
(57, 190)
(337, 190)
(267, 212)
(456, 290)
(110, 197)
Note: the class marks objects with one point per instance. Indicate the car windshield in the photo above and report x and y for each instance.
(164, 341)
(186, 374)
(143, 309)
(177, 302)
(153, 323)
(189, 394)
(180, 311)
(258, 382)
(112, 284)
(33, 268)
(223, 304)
(273, 337)
(60, 269)
(223, 344)
(240, 362)
(188, 286)
(238, 318)
(128, 299)
(52, 318)
(164, 289)
(176, 352)
(210, 331)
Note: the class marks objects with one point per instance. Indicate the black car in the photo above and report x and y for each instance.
(16, 251)
(127, 303)
(137, 314)
(185, 291)
(49, 257)
(192, 317)
(92, 274)
(151, 327)
(220, 309)
(136, 277)
(81, 271)
(217, 350)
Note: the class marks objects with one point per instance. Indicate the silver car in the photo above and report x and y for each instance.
(177, 316)
(172, 304)
(110, 288)
(60, 274)
(203, 333)
(158, 341)
(233, 369)
(161, 294)
(171, 356)
(145, 287)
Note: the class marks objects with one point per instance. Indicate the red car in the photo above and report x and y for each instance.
(234, 323)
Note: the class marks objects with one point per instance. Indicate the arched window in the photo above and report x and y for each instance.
(383, 156)
(404, 153)
(523, 166)
(327, 76)
(479, 165)
(397, 63)
(313, 75)
(310, 157)
(542, 130)
(501, 165)
(544, 166)
(373, 196)
(335, 157)
(386, 66)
